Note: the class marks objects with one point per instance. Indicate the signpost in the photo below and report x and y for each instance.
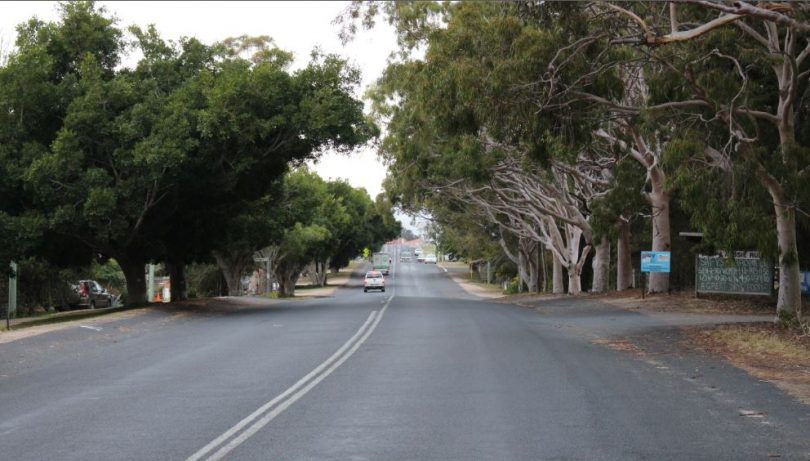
(654, 261)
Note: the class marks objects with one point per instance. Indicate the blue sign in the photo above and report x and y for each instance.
(655, 261)
(805, 283)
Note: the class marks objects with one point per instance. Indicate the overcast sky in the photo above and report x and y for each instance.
(295, 26)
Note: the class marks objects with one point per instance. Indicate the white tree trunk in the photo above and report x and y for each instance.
(661, 237)
(574, 267)
(534, 270)
(558, 285)
(528, 260)
(789, 297)
(624, 266)
(574, 281)
(601, 267)
(541, 251)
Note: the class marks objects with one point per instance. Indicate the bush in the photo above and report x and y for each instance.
(514, 286)
(204, 281)
(41, 286)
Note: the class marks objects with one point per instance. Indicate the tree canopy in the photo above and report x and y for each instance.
(152, 163)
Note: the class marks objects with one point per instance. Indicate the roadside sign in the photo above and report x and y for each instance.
(655, 261)
(749, 276)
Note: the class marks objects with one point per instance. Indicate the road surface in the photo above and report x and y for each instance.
(423, 371)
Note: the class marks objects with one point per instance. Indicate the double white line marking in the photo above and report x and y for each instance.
(244, 429)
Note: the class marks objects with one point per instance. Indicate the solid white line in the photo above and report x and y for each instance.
(249, 419)
(283, 406)
(90, 328)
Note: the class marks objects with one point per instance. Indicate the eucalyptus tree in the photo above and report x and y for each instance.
(598, 90)
(756, 93)
(464, 115)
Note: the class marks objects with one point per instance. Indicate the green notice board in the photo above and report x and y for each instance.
(752, 276)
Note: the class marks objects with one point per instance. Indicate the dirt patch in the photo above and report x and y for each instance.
(27, 332)
(763, 349)
(687, 302)
(621, 344)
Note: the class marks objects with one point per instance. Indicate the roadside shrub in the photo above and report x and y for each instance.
(41, 286)
(514, 286)
(204, 281)
(110, 276)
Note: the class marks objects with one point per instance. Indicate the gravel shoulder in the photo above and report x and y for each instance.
(671, 331)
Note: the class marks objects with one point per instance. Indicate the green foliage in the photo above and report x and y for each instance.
(151, 162)
(732, 211)
(514, 286)
(329, 221)
(109, 275)
(205, 280)
(623, 199)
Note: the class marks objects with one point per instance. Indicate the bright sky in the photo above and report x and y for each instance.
(295, 26)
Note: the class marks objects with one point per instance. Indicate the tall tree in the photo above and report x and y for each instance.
(147, 163)
(755, 93)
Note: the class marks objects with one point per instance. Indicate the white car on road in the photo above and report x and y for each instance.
(374, 281)
(430, 259)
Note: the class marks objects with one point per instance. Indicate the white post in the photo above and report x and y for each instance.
(150, 284)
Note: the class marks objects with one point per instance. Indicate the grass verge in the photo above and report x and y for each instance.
(764, 349)
(61, 317)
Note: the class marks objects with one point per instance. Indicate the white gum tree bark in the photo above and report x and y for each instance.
(648, 155)
(624, 266)
(558, 285)
(601, 266)
(776, 35)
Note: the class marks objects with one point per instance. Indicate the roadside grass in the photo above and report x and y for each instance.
(764, 342)
(766, 350)
(61, 317)
(470, 278)
(455, 264)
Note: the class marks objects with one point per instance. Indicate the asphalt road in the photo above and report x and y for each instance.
(423, 371)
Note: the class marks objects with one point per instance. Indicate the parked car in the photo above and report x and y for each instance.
(85, 294)
(374, 281)
(430, 259)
